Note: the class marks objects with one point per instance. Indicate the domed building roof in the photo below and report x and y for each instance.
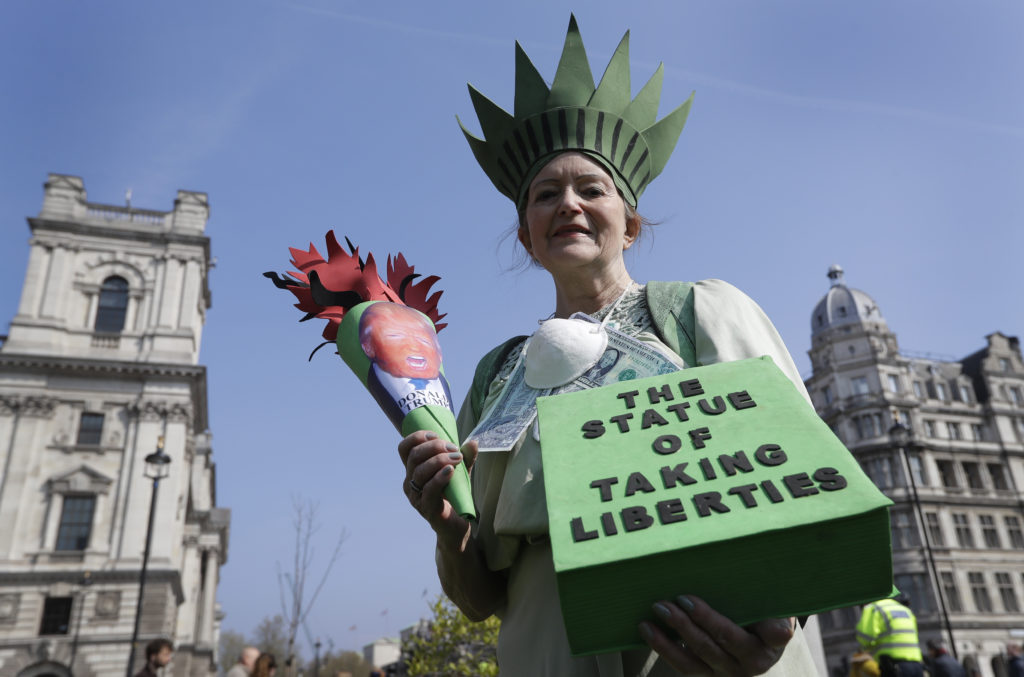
(842, 305)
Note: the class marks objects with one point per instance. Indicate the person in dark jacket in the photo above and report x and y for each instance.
(1015, 666)
(942, 664)
(158, 655)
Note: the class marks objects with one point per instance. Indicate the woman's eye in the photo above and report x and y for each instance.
(545, 195)
(593, 191)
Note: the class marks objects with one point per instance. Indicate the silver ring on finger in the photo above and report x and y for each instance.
(415, 487)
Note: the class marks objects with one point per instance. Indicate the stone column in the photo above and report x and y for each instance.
(209, 600)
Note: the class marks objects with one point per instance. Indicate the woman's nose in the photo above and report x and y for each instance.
(569, 202)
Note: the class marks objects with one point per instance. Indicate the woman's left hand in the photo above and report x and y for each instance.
(711, 643)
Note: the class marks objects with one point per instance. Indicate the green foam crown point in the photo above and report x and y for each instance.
(573, 115)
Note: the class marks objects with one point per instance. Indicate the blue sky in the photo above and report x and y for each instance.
(884, 136)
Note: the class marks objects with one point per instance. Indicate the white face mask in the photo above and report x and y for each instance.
(562, 350)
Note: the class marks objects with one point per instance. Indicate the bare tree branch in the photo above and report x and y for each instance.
(295, 606)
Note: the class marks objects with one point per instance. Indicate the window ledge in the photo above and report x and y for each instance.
(84, 448)
(60, 556)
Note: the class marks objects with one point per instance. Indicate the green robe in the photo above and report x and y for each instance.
(508, 490)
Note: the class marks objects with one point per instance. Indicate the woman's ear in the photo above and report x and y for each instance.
(632, 231)
(523, 234)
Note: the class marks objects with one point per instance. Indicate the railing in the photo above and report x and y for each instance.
(129, 214)
(929, 356)
(106, 341)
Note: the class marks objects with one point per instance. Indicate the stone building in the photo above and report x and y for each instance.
(99, 368)
(956, 480)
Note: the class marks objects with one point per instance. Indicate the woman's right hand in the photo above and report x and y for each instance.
(429, 465)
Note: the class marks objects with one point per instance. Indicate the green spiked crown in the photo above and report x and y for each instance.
(572, 115)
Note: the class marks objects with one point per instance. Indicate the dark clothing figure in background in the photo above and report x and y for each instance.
(158, 655)
(942, 663)
(896, 668)
(1015, 665)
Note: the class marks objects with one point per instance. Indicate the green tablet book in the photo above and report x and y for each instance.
(717, 481)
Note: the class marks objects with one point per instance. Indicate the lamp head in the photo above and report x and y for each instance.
(157, 463)
(899, 434)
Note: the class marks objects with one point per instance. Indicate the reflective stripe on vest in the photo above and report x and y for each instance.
(899, 640)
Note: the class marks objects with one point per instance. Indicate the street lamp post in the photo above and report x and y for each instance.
(316, 659)
(156, 470)
(901, 437)
(84, 583)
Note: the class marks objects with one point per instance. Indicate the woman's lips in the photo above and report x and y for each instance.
(569, 231)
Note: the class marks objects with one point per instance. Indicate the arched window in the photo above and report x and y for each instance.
(113, 305)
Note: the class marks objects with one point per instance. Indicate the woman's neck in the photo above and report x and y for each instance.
(589, 294)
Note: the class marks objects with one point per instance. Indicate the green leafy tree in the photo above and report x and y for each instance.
(450, 645)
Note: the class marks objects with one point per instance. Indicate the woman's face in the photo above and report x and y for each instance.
(575, 217)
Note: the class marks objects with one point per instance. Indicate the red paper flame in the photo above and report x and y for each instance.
(350, 281)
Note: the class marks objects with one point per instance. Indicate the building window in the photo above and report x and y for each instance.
(935, 529)
(75, 522)
(1013, 530)
(1015, 396)
(917, 588)
(868, 425)
(90, 429)
(917, 469)
(1004, 364)
(941, 392)
(904, 532)
(951, 592)
(998, 475)
(859, 385)
(953, 428)
(881, 472)
(989, 532)
(827, 394)
(1006, 592)
(113, 305)
(979, 592)
(948, 474)
(56, 616)
(965, 394)
(963, 530)
(978, 432)
(973, 473)
(929, 428)
(919, 390)
(894, 383)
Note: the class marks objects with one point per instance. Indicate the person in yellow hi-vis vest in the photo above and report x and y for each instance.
(888, 630)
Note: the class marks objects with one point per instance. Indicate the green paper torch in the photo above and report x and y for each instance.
(386, 331)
